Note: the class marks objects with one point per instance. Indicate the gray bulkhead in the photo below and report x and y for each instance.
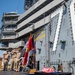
(59, 32)
(65, 47)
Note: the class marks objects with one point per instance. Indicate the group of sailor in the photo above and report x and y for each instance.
(14, 58)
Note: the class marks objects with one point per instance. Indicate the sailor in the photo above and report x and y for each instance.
(17, 59)
(6, 60)
(13, 56)
(60, 67)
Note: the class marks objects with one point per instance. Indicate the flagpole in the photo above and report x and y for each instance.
(34, 59)
(34, 46)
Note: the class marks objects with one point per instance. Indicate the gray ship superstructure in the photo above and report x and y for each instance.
(52, 22)
(8, 28)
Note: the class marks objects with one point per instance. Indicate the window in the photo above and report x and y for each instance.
(39, 50)
(50, 28)
(59, 54)
(74, 7)
(63, 43)
(51, 44)
(65, 10)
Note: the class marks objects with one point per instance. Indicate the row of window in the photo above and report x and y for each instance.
(63, 44)
(29, 3)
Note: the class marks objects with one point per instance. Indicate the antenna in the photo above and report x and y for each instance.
(18, 6)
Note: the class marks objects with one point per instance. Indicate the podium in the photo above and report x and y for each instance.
(0, 63)
(32, 71)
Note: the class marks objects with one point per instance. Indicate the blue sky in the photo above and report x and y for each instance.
(10, 6)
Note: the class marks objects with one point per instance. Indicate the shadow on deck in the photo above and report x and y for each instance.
(11, 73)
